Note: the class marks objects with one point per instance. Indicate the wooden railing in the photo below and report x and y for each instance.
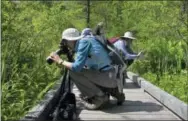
(174, 104)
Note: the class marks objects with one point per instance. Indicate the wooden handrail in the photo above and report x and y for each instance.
(42, 111)
(174, 104)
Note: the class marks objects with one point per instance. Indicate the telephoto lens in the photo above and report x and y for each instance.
(49, 60)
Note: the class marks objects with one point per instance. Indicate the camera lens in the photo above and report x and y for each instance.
(49, 60)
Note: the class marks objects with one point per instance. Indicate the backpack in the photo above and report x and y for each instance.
(115, 55)
(66, 108)
(113, 40)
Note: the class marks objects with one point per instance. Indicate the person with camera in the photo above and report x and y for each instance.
(91, 70)
(124, 45)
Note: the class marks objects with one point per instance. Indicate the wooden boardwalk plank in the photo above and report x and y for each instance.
(139, 105)
(126, 117)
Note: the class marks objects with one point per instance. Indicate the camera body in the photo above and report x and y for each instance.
(63, 49)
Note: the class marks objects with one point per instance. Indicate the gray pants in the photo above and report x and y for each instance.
(87, 81)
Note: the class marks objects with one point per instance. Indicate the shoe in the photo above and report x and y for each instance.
(120, 99)
(95, 102)
(114, 92)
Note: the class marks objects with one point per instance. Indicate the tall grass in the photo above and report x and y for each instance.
(25, 74)
(30, 31)
(25, 79)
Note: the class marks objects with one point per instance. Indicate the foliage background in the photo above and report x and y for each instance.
(32, 29)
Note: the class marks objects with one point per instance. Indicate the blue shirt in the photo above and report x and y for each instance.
(90, 53)
(121, 45)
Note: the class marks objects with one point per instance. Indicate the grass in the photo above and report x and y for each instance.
(174, 84)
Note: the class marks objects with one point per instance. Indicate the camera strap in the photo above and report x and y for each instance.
(65, 83)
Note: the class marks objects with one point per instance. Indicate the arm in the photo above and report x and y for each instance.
(127, 55)
(67, 64)
(81, 55)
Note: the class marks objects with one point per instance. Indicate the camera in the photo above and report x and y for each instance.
(58, 52)
(63, 49)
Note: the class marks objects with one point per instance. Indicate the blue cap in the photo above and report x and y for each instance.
(86, 31)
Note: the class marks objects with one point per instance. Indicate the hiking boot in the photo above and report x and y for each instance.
(120, 99)
(119, 96)
(95, 102)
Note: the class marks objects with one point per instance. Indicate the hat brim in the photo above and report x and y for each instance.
(73, 38)
(128, 37)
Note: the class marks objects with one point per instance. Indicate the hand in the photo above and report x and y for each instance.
(55, 57)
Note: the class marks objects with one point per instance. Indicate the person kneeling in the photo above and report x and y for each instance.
(91, 71)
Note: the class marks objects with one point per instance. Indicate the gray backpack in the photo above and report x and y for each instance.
(115, 55)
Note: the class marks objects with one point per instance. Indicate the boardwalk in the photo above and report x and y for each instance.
(139, 105)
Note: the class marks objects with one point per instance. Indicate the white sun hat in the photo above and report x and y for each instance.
(71, 34)
(128, 35)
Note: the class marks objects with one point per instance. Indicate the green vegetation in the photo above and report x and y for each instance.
(175, 84)
(32, 29)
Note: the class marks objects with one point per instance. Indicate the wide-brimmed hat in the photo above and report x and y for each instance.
(128, 35)
(71, 34)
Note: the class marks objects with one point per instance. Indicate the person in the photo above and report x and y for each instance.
(91, 70)
(87, 32)
(124, 45)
